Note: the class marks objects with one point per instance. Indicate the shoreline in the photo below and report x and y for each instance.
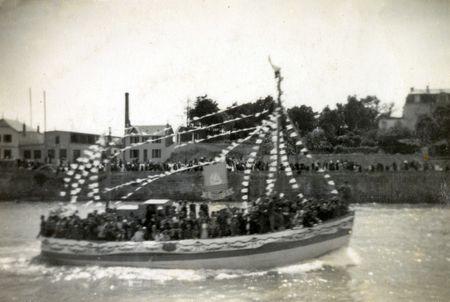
(403, 187)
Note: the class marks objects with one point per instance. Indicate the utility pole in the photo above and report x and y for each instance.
(45, 111)
(108, 166)
(31, 109)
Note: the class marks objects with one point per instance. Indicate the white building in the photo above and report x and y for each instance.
(19, 141)
(157, 151)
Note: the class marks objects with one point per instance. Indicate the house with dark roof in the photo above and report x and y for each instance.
(146, 143)
(20, 141)
(418, 102)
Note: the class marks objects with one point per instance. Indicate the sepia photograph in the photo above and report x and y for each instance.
(241, 150)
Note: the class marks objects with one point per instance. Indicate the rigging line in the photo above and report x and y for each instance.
(218, 159)
(154, 177)
(306, 153)
(158, 132)
(250, 163)
(196, 119)
(215, 136)
(188, 131)
(80, 178)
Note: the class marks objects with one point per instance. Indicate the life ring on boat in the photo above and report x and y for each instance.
(169, 246)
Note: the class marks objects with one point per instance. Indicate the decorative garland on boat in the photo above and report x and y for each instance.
(219, 158)
(293, 133)
(251, 162)
(196, 119)
(78, 173)
(215, 136)
(243, 116)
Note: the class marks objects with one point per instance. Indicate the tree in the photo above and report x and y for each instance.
(442, 118)
(361, 114)
(332, 121)
(317, 140)
(249, 108)
(304, 118)
(390, 140)
(427, 129)
(204, 105)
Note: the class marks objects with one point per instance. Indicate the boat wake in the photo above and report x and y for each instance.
(23, 261)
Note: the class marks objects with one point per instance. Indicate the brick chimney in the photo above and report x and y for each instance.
(24, 129)
(37, 129)
(428, 89)
(127, 111)
(412, 89)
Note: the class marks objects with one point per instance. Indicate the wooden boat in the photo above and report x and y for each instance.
(258, 251)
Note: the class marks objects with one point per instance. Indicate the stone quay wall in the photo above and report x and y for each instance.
(379, 187)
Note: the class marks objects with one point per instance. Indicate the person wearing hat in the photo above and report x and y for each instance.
(139, 234)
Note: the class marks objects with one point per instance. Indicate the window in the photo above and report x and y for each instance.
(63, 154)
(157, 139)
(37, 154)
(145, 154)
(134, 153)
(76, 154)
(7, 154)
(51, 153)
(79, 138)
(7, 138)
(134, 139)
(145, 138)
(156, 153)
(57, 140)
(27, 154)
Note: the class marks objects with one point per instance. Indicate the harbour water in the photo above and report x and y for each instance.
(397, 253)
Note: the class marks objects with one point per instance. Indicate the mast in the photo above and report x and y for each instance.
(279, 78)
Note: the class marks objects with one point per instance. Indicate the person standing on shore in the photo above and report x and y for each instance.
(346, 192)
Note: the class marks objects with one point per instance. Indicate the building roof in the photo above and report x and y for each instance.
(31, 138)
(16, 125)
(149, 129)
(70, 132)
(430, 91)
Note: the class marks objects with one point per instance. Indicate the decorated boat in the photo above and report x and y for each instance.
(252, 251)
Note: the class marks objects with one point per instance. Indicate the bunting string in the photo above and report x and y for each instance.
(219, 158)
(243, 116)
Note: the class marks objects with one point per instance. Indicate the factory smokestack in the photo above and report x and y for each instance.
(127, 112)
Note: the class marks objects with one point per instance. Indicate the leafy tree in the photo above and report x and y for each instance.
(361, 114)
(390, 140)
(427, 129)
(317, 140)
(304, 118)
(249, 108)
(204, 105)
(332, 121)
(442, 118)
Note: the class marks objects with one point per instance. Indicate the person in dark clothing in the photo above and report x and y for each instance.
(42, 229)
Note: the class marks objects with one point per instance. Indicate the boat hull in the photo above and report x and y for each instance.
(242, 252)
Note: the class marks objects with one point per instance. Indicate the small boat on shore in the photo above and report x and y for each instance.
(252, 252)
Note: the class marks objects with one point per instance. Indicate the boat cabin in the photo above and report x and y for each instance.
(140, 209)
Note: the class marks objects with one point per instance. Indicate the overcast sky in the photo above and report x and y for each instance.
(86, 54)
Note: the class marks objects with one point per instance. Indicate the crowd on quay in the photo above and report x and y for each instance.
(239, 164)
(235, 164)
(184, 221)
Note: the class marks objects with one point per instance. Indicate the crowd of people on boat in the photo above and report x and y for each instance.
(185, 221)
